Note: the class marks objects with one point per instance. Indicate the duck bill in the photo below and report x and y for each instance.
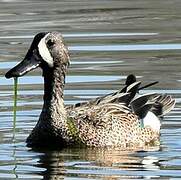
(25, 66)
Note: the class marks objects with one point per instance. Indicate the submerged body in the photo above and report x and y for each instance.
(119, 119)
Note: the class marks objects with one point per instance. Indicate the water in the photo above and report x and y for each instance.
(107, 40)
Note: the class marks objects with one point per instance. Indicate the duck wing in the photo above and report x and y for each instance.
(125, 95)
(104, 124)
(116, 97)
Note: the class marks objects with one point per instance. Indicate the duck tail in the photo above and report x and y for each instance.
(142, 104)
(162, 105)
(157, 104)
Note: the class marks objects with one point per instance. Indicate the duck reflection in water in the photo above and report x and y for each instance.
(106, 163)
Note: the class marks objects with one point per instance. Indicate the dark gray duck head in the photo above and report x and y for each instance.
(46, 51)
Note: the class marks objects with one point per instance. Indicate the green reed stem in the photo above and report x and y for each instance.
(15, 105)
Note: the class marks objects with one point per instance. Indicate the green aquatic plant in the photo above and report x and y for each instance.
(15, 105)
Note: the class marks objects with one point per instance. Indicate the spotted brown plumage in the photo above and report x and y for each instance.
(120, 119)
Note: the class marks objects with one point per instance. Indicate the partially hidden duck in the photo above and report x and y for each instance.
(121, 119)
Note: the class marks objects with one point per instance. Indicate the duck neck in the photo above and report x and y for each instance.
(54, 82)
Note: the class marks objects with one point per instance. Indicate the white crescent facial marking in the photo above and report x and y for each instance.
(44, 52)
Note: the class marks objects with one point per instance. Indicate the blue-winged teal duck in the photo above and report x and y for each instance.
(121, 119)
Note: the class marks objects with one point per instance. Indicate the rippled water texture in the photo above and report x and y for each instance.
(107, 40)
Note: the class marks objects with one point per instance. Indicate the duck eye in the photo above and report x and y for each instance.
(50, 42)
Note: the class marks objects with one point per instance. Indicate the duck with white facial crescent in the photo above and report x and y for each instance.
(120, 119)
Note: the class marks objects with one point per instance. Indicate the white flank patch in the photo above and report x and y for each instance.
(44, 52)
(152, 120)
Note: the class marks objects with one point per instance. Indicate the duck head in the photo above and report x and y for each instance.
(46, 51)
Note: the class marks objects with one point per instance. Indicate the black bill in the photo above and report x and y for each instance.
(29, 63)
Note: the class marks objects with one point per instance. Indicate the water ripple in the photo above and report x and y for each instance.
(79, 35)
(134, 47)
